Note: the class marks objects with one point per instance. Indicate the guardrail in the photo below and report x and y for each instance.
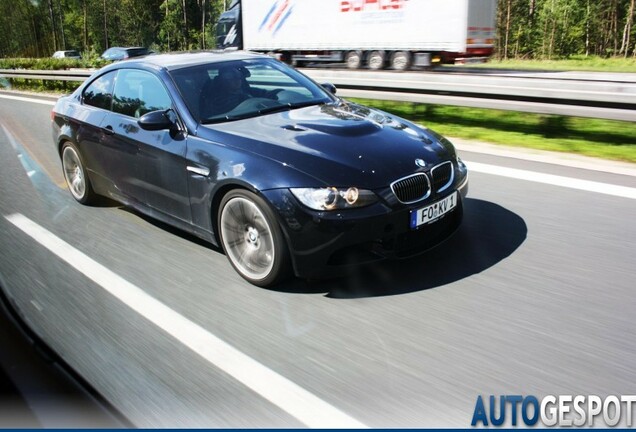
(613, 100)
(49, 75)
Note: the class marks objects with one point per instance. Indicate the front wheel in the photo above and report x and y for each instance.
(252, 239)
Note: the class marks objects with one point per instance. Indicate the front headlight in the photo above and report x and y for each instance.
(331, 198)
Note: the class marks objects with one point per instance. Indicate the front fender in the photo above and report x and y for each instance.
(229, 168)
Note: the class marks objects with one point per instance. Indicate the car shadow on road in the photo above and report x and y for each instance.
(489, 233)
(169, 228)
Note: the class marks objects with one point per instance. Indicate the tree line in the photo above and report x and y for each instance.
(561, 28)
(37, 28)
(525, 28)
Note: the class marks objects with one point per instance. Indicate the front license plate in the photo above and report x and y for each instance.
(434, 211)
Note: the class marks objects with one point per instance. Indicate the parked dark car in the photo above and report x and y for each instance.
(121, 53)
(252, 155)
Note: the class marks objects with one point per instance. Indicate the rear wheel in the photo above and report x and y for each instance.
(401, 60)
(75, 174)
(376, 60)
(252, 239)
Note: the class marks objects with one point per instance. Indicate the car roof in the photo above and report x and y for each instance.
(185, 59)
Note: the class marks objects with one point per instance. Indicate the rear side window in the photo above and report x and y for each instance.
(138, 92)
(100, 92)
(136, 52)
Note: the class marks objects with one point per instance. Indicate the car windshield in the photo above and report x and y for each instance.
(233, 90)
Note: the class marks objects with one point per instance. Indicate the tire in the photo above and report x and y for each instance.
(285, 57)
(376, 60)
(401, 60)
(75, 174)
(353, 59)
(252, 239)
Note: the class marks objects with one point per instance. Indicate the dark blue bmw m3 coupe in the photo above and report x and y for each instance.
(253, 156)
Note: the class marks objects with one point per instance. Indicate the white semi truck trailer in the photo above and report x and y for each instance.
(376, 33)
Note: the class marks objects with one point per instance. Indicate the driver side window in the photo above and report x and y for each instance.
(139, 92)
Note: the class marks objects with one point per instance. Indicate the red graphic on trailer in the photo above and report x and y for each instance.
(276, 16)
(371, 5)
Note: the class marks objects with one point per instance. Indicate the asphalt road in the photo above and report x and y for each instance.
(616, 77)
(534, 295)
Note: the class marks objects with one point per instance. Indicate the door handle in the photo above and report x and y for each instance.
(108, 130)
(198, 170)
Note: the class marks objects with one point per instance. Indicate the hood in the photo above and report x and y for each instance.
(341, 144)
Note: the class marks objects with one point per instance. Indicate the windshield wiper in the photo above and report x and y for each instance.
(228, 118)
(273, 109)
(215, 120)
(268, 110)
(288, 107)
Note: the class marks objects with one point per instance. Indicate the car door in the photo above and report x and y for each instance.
(152, 169)
(95, 105)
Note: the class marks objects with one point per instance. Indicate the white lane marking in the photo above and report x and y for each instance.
(569, 182)
(25, 99)
(547, 157)
(290, 397)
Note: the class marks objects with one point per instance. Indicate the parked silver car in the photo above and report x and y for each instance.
(68, 54)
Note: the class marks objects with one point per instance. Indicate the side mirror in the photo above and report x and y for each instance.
(158, 120)
(329, 87)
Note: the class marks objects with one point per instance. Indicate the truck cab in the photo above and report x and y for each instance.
(228, 29)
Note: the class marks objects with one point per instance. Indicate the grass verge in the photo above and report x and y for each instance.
(606, 139)
(35, 85)
(574, 63)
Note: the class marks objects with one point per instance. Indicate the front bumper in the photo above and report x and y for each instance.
(329, 243)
